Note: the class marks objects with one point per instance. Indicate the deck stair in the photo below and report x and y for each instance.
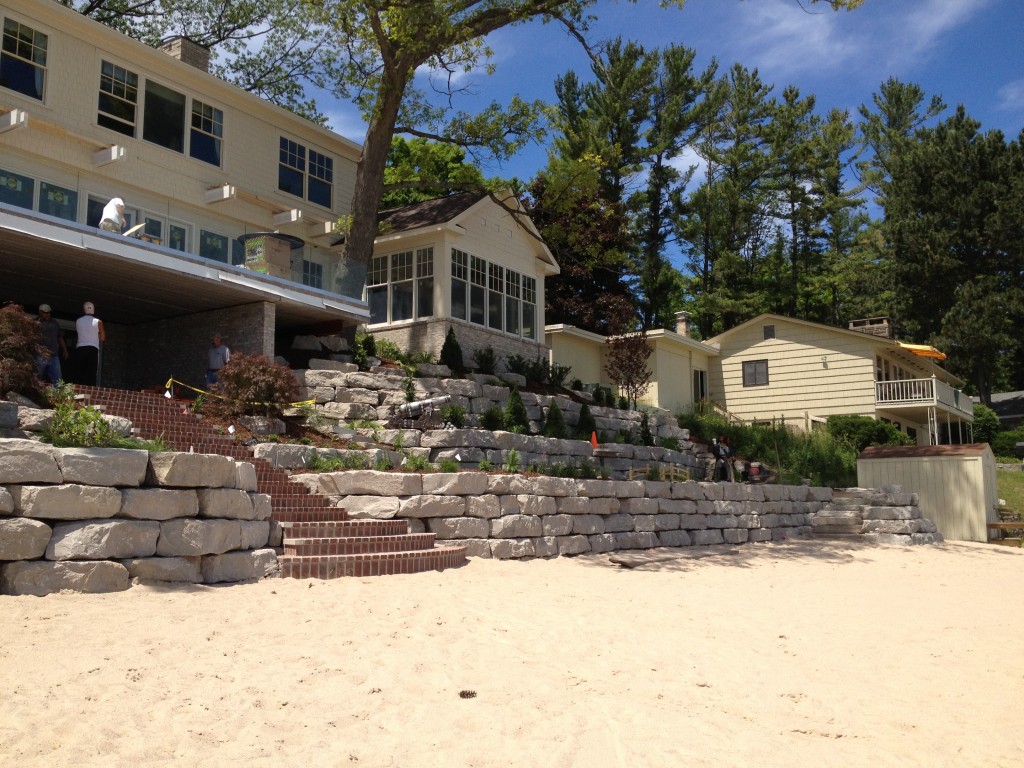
(319, 541)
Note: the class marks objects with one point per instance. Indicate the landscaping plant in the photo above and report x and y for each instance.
(252, 384)
(19, 346)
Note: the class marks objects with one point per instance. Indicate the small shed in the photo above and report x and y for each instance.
(956, 484)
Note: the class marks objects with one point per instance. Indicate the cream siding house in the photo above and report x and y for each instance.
(471, 261)
(778, 369)
(88, 114)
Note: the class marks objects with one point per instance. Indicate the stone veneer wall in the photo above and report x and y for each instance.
(91, 519)
(516, 516)
(428, 336)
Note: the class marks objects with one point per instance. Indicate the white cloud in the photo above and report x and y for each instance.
(1011, 95)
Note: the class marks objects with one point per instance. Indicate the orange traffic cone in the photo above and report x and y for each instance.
(593, 439)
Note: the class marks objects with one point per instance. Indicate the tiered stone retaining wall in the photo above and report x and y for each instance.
(517, 516)
(91, 519)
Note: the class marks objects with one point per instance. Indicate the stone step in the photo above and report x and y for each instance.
(371, 564)
(337, 528)
(352, 545)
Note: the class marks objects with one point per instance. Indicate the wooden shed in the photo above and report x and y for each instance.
(956, 484)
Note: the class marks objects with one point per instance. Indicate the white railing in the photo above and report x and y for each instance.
(931, 392)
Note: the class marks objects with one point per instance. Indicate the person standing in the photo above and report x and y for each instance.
(54, 348)
(87, 351)
(112, 218)
(216, 358)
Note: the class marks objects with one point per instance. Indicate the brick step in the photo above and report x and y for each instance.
(339, 528)
(353, 545)
(371, 564)
(328, 515)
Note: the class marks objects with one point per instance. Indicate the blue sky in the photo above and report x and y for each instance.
(970, 52)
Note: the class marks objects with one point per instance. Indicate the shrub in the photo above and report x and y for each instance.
(623, 403)
(387, 349)
(448, 465)
(670, 443)
(485, 465)
(599, 396)
(587, 470)
(454, 415)
(558, 373)
(512, 460)
(73, 427)
(409, 387)
(365, 348)
(416, 463)
(1003, 443)
(554, 426)
(451, 353)
(19, 347)
(646, 438)
(485, 359)
(576, 385)
(493, 419)
(383, 464)
(986, 423)
(862, 431)
(251, 384)
(586, 426)
(515, 413)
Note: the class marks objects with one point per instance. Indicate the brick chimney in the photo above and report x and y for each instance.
(183, 49)
(683, 323)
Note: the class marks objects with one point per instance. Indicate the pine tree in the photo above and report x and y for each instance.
(451, 353)
(516, 419)
(554, 426)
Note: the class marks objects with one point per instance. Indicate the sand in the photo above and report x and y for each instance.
(794, 654)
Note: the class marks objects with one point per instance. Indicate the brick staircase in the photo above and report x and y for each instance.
(319, 541)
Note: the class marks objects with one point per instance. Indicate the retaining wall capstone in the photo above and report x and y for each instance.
(92, 519)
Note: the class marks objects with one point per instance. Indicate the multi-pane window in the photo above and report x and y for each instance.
(768, 332)
(58, 201)
(177, 237)
(214, 246)
(755, 373)
(16, 189)
(207, 134)
(164, 117)
(494, 296)
(400, 286)
(312, 274)
(313, 182)
(119, 98)
(23, 59)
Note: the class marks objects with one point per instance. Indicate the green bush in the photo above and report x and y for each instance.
(586, 426)
(485, 359)
(1003, 443)
(416, 463)
(518, 365)
(451, 353)
(512, 460)
(19, 347)
(448, 465)
(646, 438)
(576, 385)
(485, 465)
(623, 403)
(454, 415)
(516, 419)
(554, 425)
(252, 384)
(73, 427)
(986, 423)
(493, 419)
(387, 349)
(862, 431)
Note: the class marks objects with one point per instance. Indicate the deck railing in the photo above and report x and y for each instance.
(930, 392)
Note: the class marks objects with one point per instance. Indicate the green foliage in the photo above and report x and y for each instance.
(493, 419)
(73, 427)
(409, 387)
(320, 462)
(486, 360)
(252, 384)
(451, 353)
(421, 161)
(416, 463)
(516, 418)
(1003, 443)
(538, 370)
(554, 425)
(512, 460)
(601, 397)
(669, 443)
(986, 423)
(365, 347)
(448, 465)
(646, 438)
(311, 416)
(624, 403)
(19, 345)
(383, 464)
(587, 471)
(387, 349)
(585, 424)
(454, 415)
(862, 431)
(576, 385)
(485, 465)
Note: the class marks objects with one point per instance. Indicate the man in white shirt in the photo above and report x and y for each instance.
(112, 219)
(216, 358)
(87, 350)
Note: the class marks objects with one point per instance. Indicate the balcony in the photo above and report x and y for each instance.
(926, 401)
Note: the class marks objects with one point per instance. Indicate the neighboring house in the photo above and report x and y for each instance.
(470, 261)
(88, 114)
(1009, 407)
(679, 365)
(775, 368)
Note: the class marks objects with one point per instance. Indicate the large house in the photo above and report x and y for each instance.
(237, 199)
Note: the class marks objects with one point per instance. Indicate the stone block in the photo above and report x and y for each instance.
(537, 505)
(350, 411)
(721, 521)
(255, 534)
(239, 566)
(455, 483)
(708, 536)
(759, 534)
(459, 527)
(39, 577)
(245, 476)
(636, 540)
(693, 522)
(225, 502)
(677, 506)
(674, 539)
(510, 549)
(618, 523)
(103, 466)
(639, 506)
(190, 470)
(8, 414)
(587, 524)
(557, 525)
(603, 542)
(356, 395)
(735, 535)
(158, 503)
(370, 507)
(33, 419)
(516, 526)
(285, 455)
(103, 539)
(573, 545)
(573, 505)
(23, 539)
(905, 527)
(184, 537)
(370, 482)
(183, 569)
(65, 502)
(28, 461)
(262, 506)
(486, 506)
(730, 507)
(432, 506)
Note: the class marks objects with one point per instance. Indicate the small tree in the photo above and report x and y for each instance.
(451, 353)
(645, 429)
(986, 423)
(254, 384)
(19, 346)
(585, 426)
(627, 364)
(554, 426)
(516, 419)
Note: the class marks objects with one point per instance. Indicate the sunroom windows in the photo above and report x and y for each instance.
(400, 286)
(23, 59)
(493, 296)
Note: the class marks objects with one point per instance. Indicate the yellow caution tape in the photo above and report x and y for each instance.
(172, 380)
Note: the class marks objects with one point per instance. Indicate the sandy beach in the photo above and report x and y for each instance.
(800, 653)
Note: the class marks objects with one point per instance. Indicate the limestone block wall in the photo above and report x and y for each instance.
(516, 516)
(92, 519)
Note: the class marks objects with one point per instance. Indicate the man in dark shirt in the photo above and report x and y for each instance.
(54, 348)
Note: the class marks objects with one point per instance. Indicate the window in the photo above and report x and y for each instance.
(164, 117)
(16, 189)
(213, 246)
(207, 133)
(477, 290)
(292, 173)
(529, 307)
(23, 59)
(494, 298)
(119, 97)
(769, 332)
(460, 283)
(700, 385)
(177, 237)
(312, 274)
(755, 373)
(58, 201)
(512, 284)
(403, 284)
